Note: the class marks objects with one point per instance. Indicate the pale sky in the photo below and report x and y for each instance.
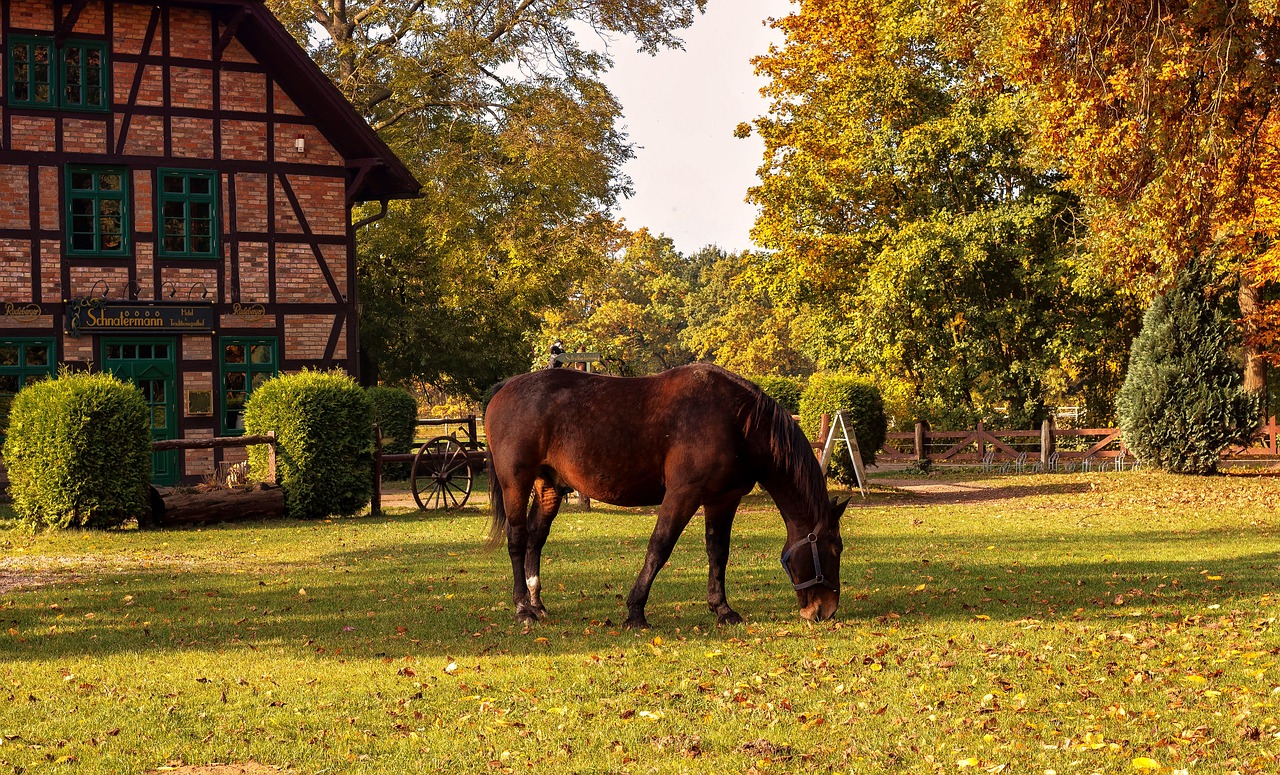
(680, 108)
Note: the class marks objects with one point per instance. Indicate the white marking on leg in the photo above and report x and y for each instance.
(532, 584)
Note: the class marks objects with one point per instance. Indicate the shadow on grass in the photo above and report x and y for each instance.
(426, 597)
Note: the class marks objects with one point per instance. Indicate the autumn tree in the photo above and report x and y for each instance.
(1161, 116)
(499, 109)
(910, 225)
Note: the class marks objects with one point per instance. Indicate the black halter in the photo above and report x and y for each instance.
(818, 579)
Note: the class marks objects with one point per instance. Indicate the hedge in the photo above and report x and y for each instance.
(324, 431)
(863, 408)
(395, 411)
(785, 390)
(78, 452)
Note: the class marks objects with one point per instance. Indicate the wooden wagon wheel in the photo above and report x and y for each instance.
(441, 475)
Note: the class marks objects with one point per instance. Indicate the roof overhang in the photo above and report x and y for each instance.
(378, 172)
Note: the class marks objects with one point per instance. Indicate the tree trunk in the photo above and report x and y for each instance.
(1255, 366)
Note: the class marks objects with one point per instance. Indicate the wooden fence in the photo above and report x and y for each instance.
(1049, 448)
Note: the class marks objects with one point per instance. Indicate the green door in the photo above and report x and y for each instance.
(149, 363)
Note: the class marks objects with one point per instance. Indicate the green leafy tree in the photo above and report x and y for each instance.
(1183, 400)
(922, 243)
(631, 311)
(734, 320)
(499, 109)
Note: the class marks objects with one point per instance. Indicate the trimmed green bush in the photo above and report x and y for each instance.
(78, 452)
(324, 427)
(1183, 400)
(395, 411)
(863, 408)
(785, 390)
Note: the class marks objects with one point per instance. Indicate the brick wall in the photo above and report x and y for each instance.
(15, 273)
(305, 336)
(14, 210)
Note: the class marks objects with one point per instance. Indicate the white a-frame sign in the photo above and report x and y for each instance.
(838, 425)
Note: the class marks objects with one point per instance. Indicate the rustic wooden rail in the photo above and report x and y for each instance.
(180, 506)
(1043, 449)
(222, 442)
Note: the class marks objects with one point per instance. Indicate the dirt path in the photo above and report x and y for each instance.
(923, 491)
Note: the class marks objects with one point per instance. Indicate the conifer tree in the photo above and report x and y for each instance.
(1183, 399)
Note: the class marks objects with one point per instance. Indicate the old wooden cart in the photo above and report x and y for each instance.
(441, 469)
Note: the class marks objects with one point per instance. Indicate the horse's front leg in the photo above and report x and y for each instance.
(677, 509)
(547, 501)
(719, 524)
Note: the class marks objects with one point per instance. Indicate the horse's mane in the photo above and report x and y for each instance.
(789, 448)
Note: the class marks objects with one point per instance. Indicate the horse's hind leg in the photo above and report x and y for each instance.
(546, 504)
(515, 493)
(719, 523)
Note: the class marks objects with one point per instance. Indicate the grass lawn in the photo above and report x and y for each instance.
(1022, 624)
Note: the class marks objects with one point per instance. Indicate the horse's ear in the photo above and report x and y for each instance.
(837, 508)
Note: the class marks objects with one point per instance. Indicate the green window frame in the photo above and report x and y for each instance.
(33, 72)
(187, 203)
(97, 211)
(73, 76)
(83, 75)
(244, 364)
(23, 361)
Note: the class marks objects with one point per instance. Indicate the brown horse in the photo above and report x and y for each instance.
(692, 436)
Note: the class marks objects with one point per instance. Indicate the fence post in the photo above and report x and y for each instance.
(474, 443)
(271, 459)
(375, 501)
(824, 428)
(982, 443)
(1047, 442)
(922, 432)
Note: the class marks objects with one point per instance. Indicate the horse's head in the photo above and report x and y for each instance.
(813, 565)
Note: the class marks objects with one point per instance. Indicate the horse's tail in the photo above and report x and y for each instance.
(497, 508)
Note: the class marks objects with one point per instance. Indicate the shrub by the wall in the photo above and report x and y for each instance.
(785, 390)
(324, 428)
(78, 452)
(863, 408)
(395, 411)
(1183, 400)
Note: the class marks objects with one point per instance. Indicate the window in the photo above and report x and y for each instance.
(32, 75)
(188, 207)
(246, 364)
(75, 76)
(83, 75)
(22, 361)
(97, 211)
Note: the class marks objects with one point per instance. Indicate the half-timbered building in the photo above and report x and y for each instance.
(176, 186)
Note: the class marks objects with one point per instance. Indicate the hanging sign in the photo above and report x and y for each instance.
(142, 317)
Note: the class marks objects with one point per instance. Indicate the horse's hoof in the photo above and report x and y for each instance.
(527, 616)
(636, 623)
(730, 619)
(541, 612)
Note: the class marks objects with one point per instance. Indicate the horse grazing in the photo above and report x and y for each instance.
(692, 436)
